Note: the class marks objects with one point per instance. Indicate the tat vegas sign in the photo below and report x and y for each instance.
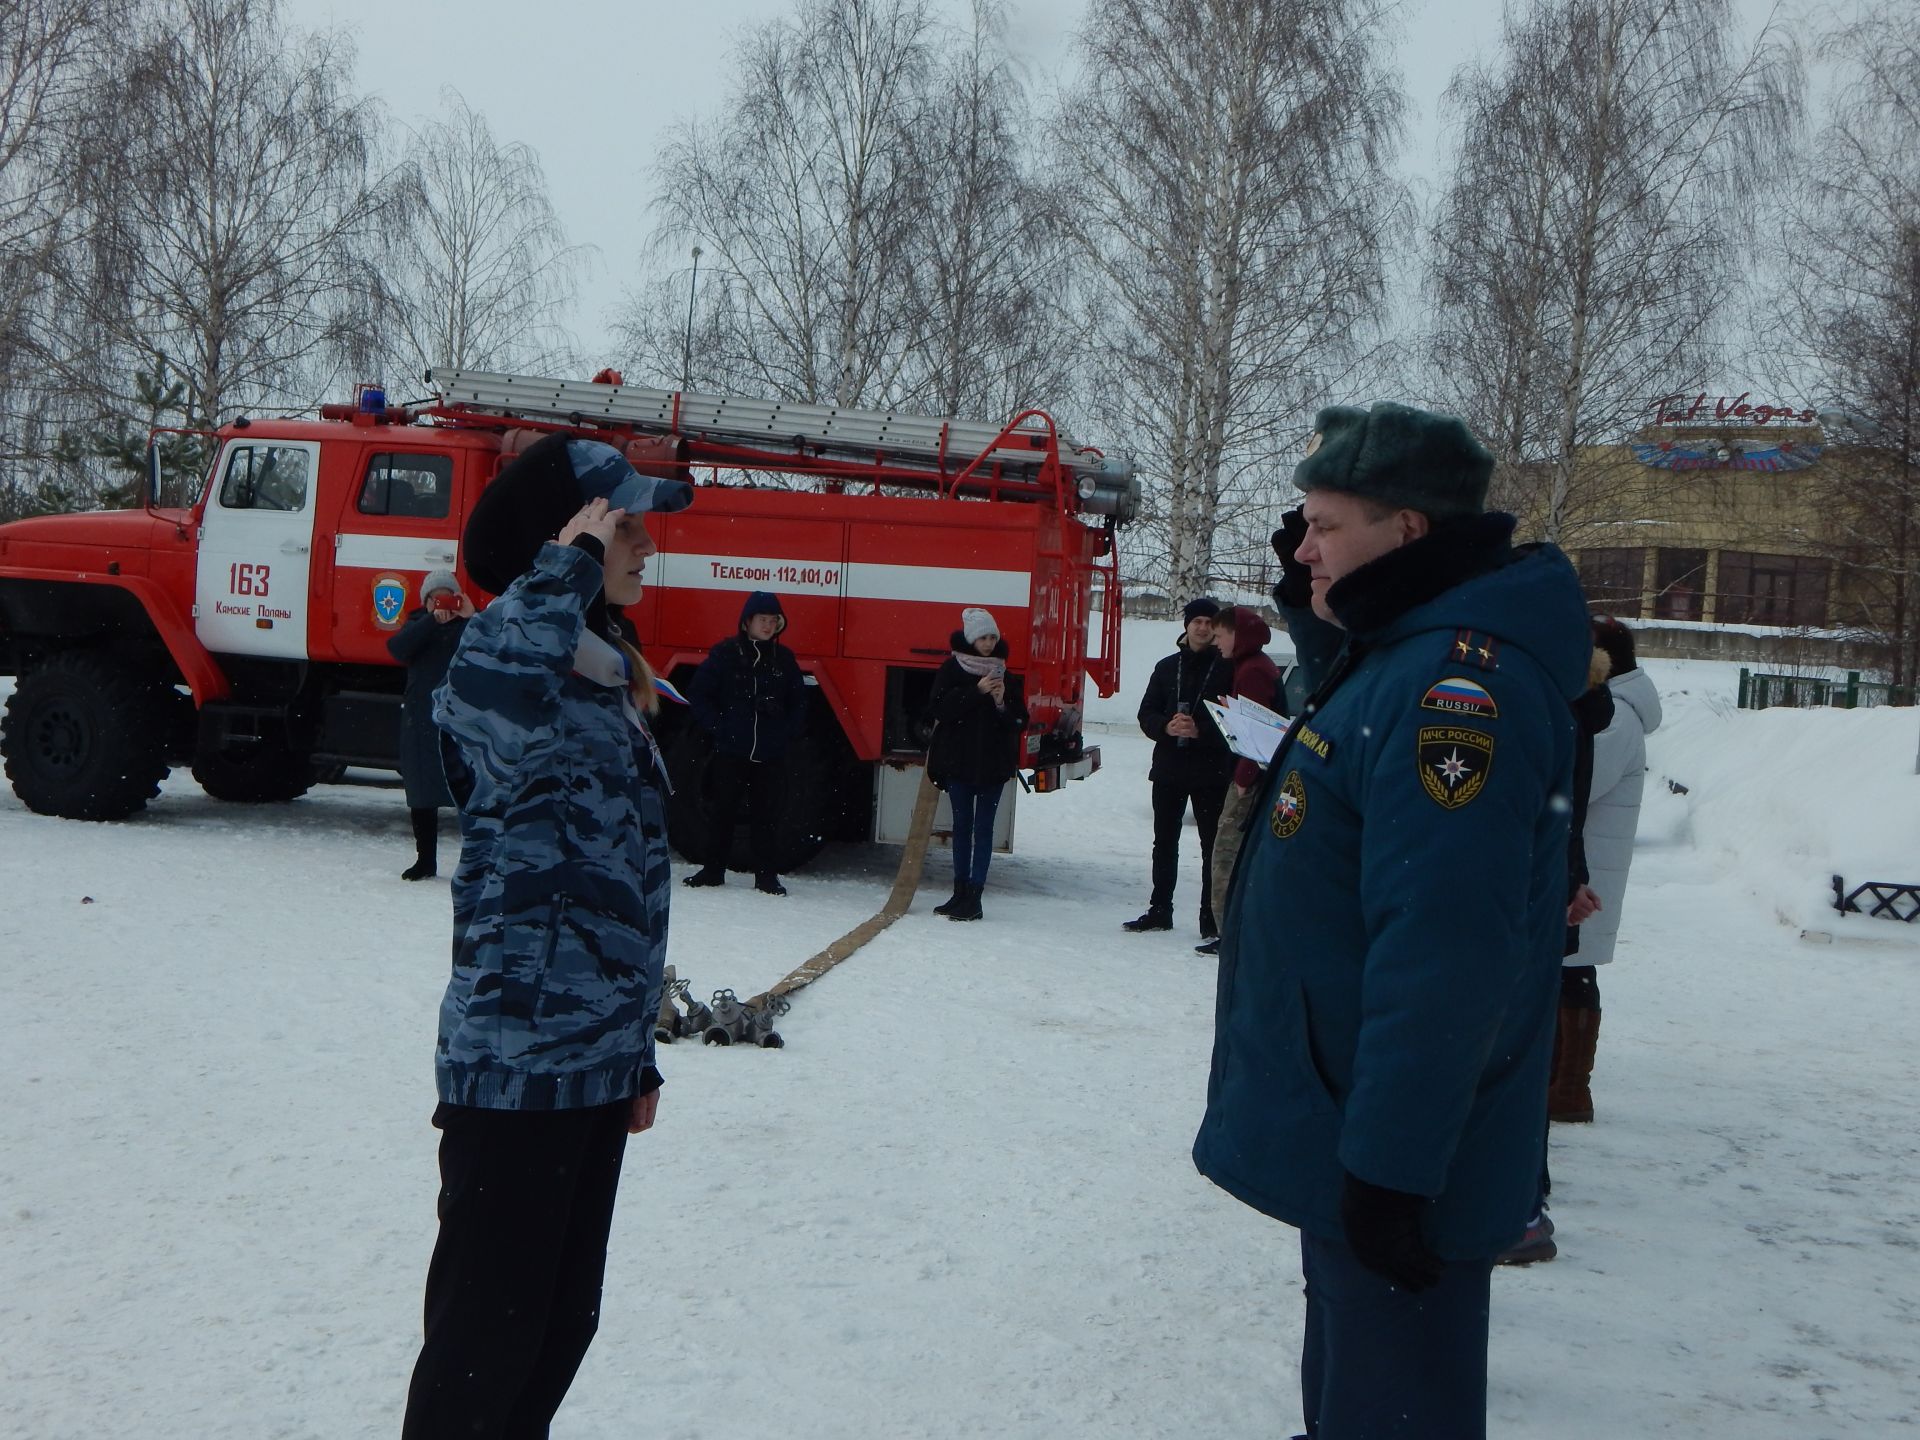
(1704, 409)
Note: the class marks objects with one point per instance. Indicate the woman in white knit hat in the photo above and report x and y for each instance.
(978, 712)
(425, 644)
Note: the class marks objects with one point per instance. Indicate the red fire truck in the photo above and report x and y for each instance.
(245, 633)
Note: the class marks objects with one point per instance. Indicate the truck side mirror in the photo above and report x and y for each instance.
(153, 472)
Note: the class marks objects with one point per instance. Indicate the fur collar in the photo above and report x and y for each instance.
(1453, 551)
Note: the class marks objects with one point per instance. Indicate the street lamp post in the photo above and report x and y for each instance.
(686, 343)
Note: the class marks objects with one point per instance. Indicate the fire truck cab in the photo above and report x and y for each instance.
(246, 633)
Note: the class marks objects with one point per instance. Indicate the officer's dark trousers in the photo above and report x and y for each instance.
(1382, 1364)
(513, 1291)
(763, 784)
(1170, 801)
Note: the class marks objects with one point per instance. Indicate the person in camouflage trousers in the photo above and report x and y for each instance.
(546, 1048)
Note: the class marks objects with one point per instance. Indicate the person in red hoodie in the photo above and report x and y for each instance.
(1242, 636)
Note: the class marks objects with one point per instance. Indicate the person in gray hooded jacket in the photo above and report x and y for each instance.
(546, 1047)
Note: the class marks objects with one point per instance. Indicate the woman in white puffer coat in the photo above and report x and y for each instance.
(1613, 815)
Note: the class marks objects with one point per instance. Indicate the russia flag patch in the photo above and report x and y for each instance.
(1457, 695)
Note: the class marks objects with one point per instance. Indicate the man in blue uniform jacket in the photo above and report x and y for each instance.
(1390, 954)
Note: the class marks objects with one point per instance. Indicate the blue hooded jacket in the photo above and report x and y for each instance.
(751, 695)
(1390, 952)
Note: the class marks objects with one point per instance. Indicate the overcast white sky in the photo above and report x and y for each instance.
(592, 86)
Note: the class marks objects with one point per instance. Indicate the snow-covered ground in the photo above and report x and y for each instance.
(959, 1202)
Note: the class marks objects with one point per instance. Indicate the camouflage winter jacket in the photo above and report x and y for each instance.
(560, 900)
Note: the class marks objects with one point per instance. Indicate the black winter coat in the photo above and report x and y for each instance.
(974, 742)
(1187, 676)
(425, 646)
(751, 696)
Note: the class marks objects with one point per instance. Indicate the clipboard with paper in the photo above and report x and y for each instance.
(1250, 729)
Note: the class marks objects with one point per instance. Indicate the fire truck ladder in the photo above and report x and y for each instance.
(743, 430)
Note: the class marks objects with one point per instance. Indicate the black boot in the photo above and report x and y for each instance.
(706, 875)
(768, 883)
(1158, 917)
(954, 900)
(426, 842)
(1208, 930)
(969, 906)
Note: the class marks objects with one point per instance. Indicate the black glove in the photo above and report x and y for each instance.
(1295, 590)
(1383, 1231)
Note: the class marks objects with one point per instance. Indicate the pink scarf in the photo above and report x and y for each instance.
(978, 665)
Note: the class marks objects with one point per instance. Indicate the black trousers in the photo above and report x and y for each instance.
(1170, 801)
(1380, 1363)
(513, 1291)
(763, 784)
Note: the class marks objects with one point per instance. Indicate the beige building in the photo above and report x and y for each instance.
(1720, 523)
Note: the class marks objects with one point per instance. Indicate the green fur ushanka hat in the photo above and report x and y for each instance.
(1413, 459)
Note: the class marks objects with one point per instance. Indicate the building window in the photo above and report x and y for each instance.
(1679, 584)
(1785, 590)
(420, 486)
(1612, 579)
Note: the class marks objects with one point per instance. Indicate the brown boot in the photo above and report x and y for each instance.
(1569, 1097)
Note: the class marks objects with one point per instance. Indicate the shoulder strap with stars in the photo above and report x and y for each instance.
(1476, 648)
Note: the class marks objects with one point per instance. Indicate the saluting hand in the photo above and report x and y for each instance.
(595, 518)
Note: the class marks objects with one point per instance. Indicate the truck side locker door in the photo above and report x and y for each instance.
(256, 547)
(399, 522)
(731, 543)
(907, 584)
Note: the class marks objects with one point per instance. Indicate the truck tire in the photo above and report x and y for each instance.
(804, 819)
(85, 738)
(261, 773)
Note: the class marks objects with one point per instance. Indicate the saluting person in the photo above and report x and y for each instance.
(545, 1058)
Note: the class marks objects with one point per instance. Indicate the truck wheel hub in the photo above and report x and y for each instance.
(59, 738)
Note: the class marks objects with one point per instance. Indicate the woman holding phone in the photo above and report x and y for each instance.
(979, 712)
(425, 645)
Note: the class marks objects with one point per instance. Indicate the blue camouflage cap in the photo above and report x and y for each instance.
(543, 487)
(605, 474)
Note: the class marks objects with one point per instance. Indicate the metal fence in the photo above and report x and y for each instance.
(1761, 691)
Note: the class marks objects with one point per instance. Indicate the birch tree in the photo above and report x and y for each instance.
(231, 205)
(1223, 170)
(52, 53)
(987, 302)
(476, 270)
(1609, 161)
(1850, 250)
(808, 207)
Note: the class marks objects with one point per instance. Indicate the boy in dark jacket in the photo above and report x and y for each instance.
(1191, 762)
(750, 695)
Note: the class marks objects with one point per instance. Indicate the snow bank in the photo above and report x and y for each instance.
(1782, 800)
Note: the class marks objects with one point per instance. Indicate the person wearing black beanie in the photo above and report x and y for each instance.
(1191, 762)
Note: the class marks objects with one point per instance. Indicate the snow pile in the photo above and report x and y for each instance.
(1779, 801)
